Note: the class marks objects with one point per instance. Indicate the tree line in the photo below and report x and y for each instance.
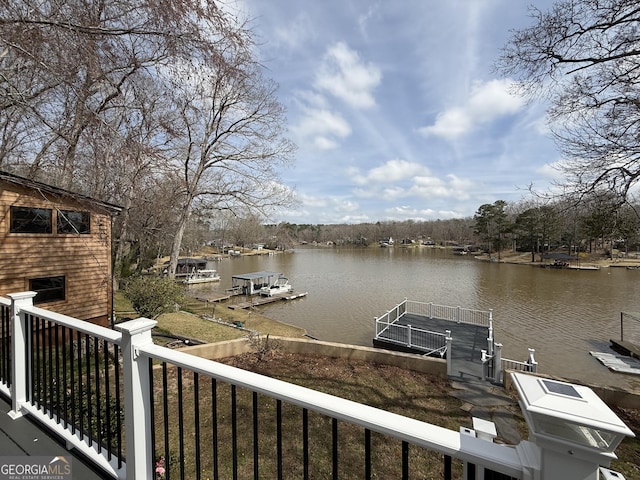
(599, 225)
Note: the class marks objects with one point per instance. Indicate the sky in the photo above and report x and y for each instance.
(396, 108)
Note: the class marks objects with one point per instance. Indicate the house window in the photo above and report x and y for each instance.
(30, 220)
(70, 221)
(49, 289)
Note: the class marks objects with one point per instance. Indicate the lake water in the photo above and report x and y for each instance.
(563, 314)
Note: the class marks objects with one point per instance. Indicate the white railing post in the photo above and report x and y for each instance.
(490, 338)
(449, 341)
(483, 359)
(137, 398)
(531, 361)
(408, 335)
(430, 309)
(497, 363)
(458, 314)
(20, 355)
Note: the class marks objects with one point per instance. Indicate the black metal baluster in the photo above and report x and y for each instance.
(87, 359)
(63, 343)
(305, 443)
(56, 381)
(72, 383)
(256, 450)
(34, 385)
(51, 381)
(234, 432)
(40, 370)
(471, 471)
(180, 422)
(279, 436)
(165, 406)
(405, 460)
(367, 454)
(96, 374)
(196, 417)
(81, 409)
(214, 436)
(447, 467)
(107, 395)
(116, 384)
(334, 446)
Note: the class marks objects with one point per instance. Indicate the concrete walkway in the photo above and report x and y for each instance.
(491, 403)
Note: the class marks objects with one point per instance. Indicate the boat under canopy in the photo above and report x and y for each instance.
(251, 283)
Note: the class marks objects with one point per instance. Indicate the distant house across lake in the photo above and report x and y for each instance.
(58, 244)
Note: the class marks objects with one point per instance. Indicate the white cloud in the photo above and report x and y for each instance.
(487, 102)
(296, 33)
(322, 128)
(403, 179)
(391, 171)
(346, 77)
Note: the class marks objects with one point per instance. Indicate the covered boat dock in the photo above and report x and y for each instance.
(251, 283)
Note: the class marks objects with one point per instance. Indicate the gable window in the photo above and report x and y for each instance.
(30, 220)
(70, 221)
(49, 289)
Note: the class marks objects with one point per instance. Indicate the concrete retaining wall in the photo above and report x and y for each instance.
(430, 365)
(433, 366)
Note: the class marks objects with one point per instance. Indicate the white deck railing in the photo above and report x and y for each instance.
(134, 339)
(138, 352)
(454, 314)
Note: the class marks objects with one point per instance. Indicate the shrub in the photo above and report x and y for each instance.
(152, 296)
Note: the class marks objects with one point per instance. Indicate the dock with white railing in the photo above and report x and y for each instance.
(463, 336)
(423, 328)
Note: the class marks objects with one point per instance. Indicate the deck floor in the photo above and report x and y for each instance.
(23, 437)
(468, 341)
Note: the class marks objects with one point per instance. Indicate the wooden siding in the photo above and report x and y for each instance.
(84, 259)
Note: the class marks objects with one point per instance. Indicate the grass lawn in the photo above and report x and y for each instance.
(188, 321)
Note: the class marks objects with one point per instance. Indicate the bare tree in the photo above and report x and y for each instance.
(228, 143)
(585, 55)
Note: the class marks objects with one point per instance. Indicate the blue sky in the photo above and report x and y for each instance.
(396, 109)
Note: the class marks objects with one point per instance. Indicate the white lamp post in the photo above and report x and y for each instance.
(573, 430)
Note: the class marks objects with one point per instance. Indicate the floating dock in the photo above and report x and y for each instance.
(256, 302)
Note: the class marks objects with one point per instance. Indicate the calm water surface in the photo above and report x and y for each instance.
(563, 314)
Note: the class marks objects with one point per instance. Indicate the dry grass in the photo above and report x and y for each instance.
(189, 323)
(408, 393)
(404, 392)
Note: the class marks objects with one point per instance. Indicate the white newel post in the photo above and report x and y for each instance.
(19, 352)
(497, 363)
(484, 359)
(490, 337)
(449, 341)
(137, 398)
(533, 365)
